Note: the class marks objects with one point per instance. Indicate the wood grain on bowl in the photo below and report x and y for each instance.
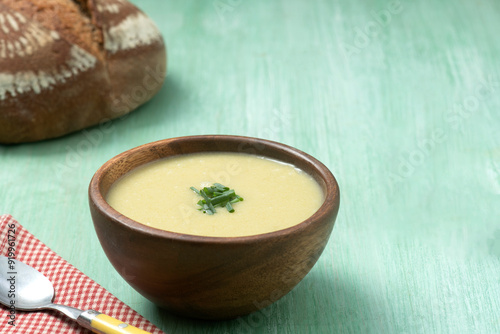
(211, 277)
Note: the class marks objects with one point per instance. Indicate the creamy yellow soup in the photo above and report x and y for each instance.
(276, 195)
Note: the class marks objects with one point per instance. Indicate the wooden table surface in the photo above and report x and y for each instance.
(400, 99)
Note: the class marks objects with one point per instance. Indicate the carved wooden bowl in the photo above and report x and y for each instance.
(211, 277)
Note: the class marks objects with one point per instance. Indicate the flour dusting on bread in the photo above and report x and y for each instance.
(30, 81)
(20, 38)
(111, 8)
(136, 30)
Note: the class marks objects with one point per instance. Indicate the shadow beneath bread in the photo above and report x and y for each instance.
(67, 163)
(155, 111)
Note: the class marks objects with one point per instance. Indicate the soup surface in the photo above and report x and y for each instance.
(276, 195)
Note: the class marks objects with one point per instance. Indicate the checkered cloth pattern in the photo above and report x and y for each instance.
(73, 288)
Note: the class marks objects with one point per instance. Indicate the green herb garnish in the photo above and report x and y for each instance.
(216, 196)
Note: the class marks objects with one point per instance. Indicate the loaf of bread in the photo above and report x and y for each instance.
(69, 64)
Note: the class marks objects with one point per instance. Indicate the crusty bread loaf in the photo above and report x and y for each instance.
(69, 64)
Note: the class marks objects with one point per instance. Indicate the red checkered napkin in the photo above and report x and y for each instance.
(72, 287)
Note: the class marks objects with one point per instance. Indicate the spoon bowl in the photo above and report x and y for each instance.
(31, 289)
(24, 288)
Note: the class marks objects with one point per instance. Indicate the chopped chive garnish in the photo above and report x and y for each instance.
(208, 191)
(207, 210)
(208, 201)
(220, 187)
(219, 199)
(216, 196)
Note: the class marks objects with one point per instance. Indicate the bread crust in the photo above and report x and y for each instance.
(54, 81)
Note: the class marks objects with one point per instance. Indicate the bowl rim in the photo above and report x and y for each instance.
(330, 205)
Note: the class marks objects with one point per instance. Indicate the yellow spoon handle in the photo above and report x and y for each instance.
(104, 324)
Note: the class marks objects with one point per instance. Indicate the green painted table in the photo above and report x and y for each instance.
(399, 99)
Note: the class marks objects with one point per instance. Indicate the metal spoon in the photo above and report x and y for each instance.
(24, 288)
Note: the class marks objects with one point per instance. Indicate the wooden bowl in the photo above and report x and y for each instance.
(211, 277)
